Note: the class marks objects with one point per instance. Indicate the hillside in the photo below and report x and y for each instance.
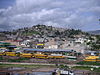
(49, 35)
(97, 32)
(2, 36)
(43, 31)
(46, 31)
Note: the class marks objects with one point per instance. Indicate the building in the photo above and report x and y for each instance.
(25, 43)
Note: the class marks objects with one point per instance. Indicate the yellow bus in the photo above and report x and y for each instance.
(92, 58)
(2, 53)
(10, 53)
(40, 56)
(26, 55)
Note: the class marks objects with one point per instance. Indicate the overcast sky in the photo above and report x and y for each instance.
(78, 14)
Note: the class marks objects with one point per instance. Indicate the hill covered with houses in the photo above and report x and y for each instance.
(48, 37)
(43, 31)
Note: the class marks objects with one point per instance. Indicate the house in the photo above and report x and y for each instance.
(40, 45)
(25, 43)
(79, 40)
(48, 45)
(53, 47)
(91, 53)
(12, 42)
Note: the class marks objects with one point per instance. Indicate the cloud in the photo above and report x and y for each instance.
(78, 14)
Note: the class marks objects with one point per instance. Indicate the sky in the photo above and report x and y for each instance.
(77, 14)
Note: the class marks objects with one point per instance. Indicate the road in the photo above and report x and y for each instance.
(70, 65)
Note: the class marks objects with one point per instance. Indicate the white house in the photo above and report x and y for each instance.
(81, 40)
(53, 47)
(25, 43)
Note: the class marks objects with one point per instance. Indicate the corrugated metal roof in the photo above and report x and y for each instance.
(13, 46)
(49, 50)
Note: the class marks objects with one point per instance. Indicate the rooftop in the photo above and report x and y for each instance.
(49, 50)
